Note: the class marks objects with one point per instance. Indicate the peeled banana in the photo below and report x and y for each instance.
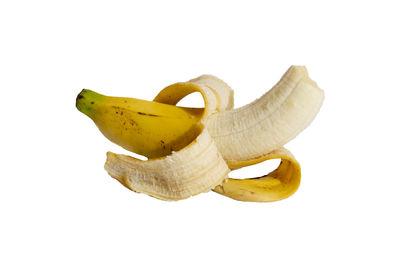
(192, 150)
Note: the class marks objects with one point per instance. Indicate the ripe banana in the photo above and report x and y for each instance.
(192, 150)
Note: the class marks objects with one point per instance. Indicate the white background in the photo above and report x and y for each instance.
(59, 207)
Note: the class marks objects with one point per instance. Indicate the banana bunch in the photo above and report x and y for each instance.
(192, 150)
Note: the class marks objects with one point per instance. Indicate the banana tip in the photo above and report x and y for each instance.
(79, 103)
(85, 101)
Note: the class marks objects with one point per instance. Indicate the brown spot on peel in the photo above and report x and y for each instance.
(146, 114)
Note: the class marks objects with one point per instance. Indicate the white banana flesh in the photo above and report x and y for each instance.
(269, 122)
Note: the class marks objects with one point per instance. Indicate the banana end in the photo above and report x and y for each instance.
(86, 101)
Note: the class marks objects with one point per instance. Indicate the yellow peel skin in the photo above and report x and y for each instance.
(143, 127)
(277, 185)
(231, 138)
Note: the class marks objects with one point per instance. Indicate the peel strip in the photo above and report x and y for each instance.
(278, 184)
(195, 169)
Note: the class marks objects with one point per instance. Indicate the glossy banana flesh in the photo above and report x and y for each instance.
(269, 122)
(209, 140)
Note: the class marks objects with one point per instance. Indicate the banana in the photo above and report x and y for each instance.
(204, 144)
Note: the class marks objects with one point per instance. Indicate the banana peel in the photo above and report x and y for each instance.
(191, 151)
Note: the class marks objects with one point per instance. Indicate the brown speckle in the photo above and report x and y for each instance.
(146, 114)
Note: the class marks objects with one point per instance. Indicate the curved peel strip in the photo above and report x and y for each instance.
(277, 185)
(217, 95)
(197, 168)
(221, 90)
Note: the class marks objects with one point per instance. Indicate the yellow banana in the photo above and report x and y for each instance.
(207, 141)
